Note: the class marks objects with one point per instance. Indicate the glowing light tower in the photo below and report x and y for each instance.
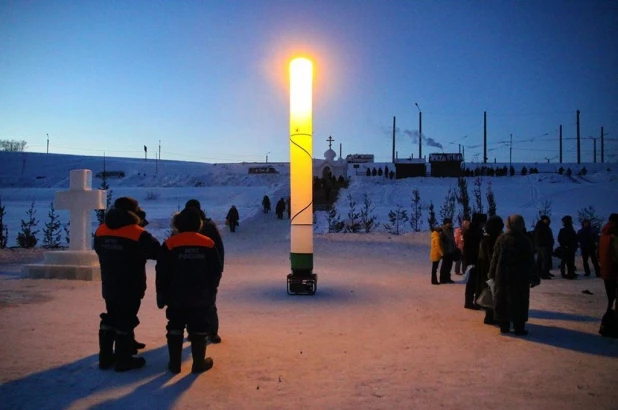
(302, 280)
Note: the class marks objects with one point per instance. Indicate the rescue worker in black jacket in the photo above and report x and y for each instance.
(567, 238)
(209, 229)
(123, 247)
(188, 274)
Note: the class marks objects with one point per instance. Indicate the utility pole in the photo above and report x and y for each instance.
(484, 137)
(561, 143)
(595, 149)
(511, 153)
(48, 143)
(602, 147)
(578, 141)
(393, 140)
(159, 149)
(420, 132)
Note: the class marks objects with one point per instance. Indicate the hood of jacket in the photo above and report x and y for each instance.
(117, 218)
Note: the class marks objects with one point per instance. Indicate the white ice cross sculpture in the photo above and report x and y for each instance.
(80, 200)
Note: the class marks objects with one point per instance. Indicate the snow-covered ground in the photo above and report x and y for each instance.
(376, 335)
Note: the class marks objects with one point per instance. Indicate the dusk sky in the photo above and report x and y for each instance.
(209, 78)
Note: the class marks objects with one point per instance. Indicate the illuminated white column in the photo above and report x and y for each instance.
(301, 165)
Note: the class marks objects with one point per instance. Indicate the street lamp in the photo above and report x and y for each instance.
(420, 131)
(267, 156)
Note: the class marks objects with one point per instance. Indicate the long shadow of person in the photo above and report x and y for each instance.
(81, 381)
(551, 315)
(572, 340)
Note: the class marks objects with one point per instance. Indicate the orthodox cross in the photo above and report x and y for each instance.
(330, 141)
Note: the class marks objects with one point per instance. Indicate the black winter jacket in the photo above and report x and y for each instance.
(587, 238)
(543, 235)
(123, 248)
(567, 238)
(188, 271)
(209, 229)
(472, 241)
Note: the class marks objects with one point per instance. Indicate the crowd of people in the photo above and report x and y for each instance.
(502, 265)
(282, 206)
(188, 271)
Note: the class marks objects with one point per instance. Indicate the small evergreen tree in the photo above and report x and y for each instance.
(416, 216)
(524, 171)
(432, 216)
(463, 198)
(66, 228)
(4, 230)
(353, 222)
(368, 219)
(543, 209)
(334, 219)
(447, 210)
(478, 195)
(583, 172)
(491, 200)
(589, 213)
(52, 230)
(27, 237)
(560, 170)
(397, 218)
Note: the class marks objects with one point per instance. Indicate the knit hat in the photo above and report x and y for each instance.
(567, 219)
(494, 225)
(127, 204)
(545, 218)
(193, 203)
(188, 220)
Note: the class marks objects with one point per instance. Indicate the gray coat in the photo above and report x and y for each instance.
(512, 267)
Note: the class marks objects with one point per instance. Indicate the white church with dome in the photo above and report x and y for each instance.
(330, 165)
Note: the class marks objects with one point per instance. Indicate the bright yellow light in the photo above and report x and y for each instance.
(301, 161)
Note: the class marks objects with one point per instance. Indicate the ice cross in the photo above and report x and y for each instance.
(80, 200)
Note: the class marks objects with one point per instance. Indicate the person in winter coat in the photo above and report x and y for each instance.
(435, 254)
(493, 229)
(266, 204)
(608, 258)
(280, 208)
(188, 273)
(449, 249)
(588, 238)
(472, 241)
(567, 238)
(123, 247)
(232, 218)
(459, 242)
(209, 229)
(544, 244)
(513, 269)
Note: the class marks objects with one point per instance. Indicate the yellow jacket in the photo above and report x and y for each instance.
(436, 250)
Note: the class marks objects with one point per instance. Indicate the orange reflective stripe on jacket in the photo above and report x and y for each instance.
(130, 232)
(189, 239)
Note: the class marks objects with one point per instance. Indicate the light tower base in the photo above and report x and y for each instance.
(302, 283)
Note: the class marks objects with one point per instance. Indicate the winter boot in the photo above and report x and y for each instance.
(489, 317)
(213, 339)
(201, 363)
(124, 353)
(137, 345)
(505, 327)
(434, 278)
(106, 347)
(174, 348)
(520, 329)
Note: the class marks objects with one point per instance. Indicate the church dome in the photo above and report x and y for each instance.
(330, 154)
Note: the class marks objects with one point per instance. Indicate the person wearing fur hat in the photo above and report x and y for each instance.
(188, 273)
(209, 229)
(567, 238)
(123, 246)
(472, 240)
(513, 270)
(493, 229)
(608, 259)
(544, 244)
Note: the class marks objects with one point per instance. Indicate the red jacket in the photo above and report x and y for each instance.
(608, 251)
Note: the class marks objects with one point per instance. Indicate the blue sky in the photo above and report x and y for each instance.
(209, 78)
